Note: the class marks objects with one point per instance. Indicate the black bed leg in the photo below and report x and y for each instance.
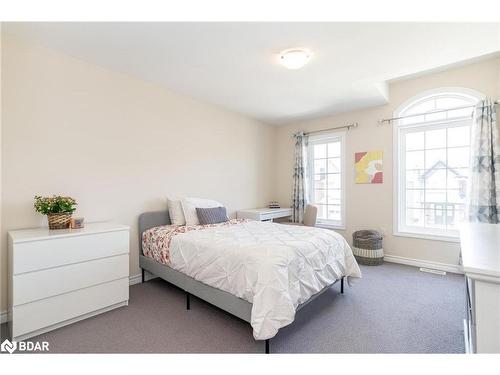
(143, 278)
(267, 346)
(188, 301)
(342, 285)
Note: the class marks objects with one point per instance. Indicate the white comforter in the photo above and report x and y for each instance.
(275, 267)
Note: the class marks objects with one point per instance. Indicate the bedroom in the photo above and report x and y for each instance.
(174, 138)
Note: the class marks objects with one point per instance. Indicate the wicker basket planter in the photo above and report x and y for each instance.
(367, 247)
(59, 221)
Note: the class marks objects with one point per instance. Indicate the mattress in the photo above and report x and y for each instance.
(275, 267)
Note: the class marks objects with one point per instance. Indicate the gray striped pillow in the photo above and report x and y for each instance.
(212, 215)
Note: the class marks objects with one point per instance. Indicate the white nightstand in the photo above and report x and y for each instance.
(58, 277)
(264, 214)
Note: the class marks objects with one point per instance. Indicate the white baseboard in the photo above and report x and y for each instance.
(137, 279)
(453, 268)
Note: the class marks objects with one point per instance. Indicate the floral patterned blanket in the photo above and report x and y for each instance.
(156, 241)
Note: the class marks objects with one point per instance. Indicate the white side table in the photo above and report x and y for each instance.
(264, 214)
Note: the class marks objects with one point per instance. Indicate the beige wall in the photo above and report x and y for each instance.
(117, 144)
(120, 145)
(371, 206)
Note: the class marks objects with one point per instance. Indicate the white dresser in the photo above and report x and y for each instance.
(61, 276)
(264, 214)
(480, 247)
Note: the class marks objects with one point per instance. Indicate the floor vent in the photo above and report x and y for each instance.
(430, 270)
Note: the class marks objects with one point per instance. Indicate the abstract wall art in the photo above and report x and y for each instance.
(368, 166)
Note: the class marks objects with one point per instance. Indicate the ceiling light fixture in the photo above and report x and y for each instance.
(294, 58)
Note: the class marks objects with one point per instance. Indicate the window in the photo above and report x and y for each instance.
(432, 164)
(326, 178)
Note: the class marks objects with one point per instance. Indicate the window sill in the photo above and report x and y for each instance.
(330, 226)
(427, 236)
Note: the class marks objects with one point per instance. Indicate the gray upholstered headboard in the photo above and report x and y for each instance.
(152, 219)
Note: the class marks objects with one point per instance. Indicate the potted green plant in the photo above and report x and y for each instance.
(57, 208)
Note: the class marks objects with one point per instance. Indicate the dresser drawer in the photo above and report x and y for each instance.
(38, 255)
(32, 286)
(55, 310)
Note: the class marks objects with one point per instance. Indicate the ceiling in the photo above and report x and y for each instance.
(235, 65)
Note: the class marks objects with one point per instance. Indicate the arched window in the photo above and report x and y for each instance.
(432, 135)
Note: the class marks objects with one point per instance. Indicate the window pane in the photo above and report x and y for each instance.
(435, 159)
(320, 196)
(415, 160)
(435, 116)
(459, 136)
(334, 165)
(435, 179)
(333, 212)
(458, 157)
(435, 138)
(321, 211)
(325, 178)
(435, 196)
(320, 166)
(414, 218)
(422, 107)
(414, 141)
(454, 217)
(415, 198)
(414, 179)
(320, 181)
(457, 178)
(333, 181)
(456, 196)
(435, 216)
(334, 149)
(320, 151)
(447, 103)
(333, 196)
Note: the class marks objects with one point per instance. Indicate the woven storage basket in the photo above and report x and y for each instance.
(367, 247)
(59, 221)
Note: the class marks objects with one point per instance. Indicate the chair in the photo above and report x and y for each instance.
(310, 216)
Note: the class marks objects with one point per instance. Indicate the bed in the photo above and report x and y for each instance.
(262, 273)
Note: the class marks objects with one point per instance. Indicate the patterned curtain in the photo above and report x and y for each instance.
(483, 203)
(299, 197)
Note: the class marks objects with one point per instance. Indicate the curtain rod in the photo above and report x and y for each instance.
(389, 120)
(348, 127)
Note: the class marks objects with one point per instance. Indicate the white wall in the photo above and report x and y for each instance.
(117, 144)
(371, 206)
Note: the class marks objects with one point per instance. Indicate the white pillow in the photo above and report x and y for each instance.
(175, 212)
(189, 206)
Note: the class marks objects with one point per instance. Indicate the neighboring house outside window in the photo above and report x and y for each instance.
(326, 178)
(431, 167)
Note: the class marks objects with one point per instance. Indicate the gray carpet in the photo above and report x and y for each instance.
(393, 309)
